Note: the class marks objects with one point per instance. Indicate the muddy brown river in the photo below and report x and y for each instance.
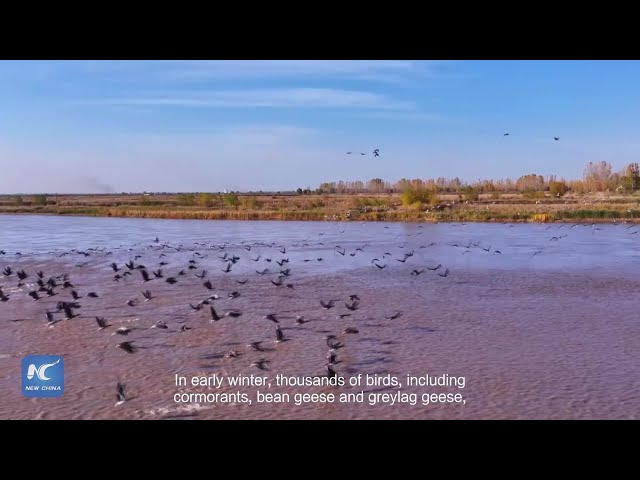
(524, 321)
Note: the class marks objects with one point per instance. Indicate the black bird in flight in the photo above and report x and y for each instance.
(328, 304)
(506, 134)
(353, 306)
(128, 347)
(556, 138)
(260, 364)
(376, 152)
(145, 275)
(279, 334)
(121, 393)
(102, 323)
(214, 315)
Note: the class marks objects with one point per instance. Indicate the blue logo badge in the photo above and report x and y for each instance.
(42, 376)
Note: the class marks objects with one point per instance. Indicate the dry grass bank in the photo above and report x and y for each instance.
(344, 207)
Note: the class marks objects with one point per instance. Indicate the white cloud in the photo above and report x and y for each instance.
(381, 70)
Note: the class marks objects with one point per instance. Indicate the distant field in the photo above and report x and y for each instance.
(507, 207)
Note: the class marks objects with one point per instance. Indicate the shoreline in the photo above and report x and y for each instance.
(391, 217)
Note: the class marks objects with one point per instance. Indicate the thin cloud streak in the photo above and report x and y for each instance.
(267, 98)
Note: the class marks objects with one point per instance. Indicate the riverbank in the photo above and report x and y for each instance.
(381, 207)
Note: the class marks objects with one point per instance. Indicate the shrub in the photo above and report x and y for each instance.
(186, 199)
(231, 199)
(532, 194)
(19, 201)
(470, 193)
(250, 203)
(411, 195)
(39, 200)
(558, 188)
(205, 199)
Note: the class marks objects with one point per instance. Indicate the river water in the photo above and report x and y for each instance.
(540, 320)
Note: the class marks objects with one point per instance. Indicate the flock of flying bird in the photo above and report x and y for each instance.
(44, 288)
(376, 152)
(41, 287)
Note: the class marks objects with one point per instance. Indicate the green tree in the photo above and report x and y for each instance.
(19, 201)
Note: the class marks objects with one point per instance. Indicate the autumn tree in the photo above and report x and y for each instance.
(375, 185)
(530, 183)
(630, 178)
(597, 175)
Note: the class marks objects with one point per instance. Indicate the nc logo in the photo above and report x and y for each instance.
(42, 376)
(39, 371)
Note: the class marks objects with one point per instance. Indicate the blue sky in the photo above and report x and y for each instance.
(101, 126)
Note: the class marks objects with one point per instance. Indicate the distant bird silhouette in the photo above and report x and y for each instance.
(506, 134)
(349, 153)
(376, 152)
(556, 138)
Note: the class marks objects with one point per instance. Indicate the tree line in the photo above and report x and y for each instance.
(597, 177)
